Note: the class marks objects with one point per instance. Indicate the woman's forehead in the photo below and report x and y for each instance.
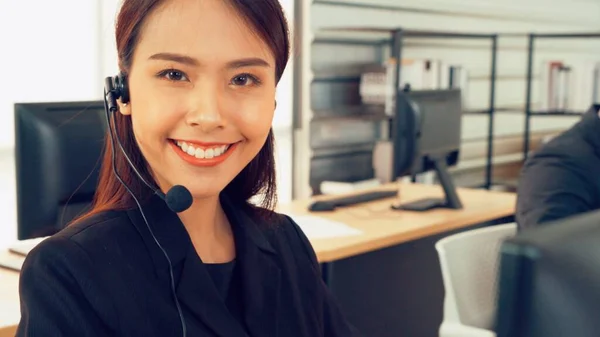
(208, 30)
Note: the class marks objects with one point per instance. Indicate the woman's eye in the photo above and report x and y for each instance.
(173, 75)
(244, 80)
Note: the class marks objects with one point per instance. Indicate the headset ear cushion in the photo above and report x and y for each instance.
(122, 87)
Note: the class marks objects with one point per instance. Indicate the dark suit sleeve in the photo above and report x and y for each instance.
(335, 323)
(553, 187)
(59, 295)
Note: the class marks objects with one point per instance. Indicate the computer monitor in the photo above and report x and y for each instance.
(58, 149)
(549, 280)
(426, 136)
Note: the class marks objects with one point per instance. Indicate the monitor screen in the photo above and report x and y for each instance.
(58, 148)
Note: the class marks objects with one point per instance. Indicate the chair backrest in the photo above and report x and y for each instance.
(469, 263)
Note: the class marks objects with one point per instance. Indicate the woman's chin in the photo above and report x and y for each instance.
(203, 193)
(203, 187)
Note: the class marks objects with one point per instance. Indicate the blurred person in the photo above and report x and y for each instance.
(561, 178)
(195, 109)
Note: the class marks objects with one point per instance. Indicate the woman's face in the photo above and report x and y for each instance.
(202, 88)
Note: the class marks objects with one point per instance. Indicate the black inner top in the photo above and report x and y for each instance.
(221, 274)
(227, 282)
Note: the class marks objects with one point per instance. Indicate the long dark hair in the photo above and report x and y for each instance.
(257, 178)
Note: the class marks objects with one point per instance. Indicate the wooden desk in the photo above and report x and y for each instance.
(388, 280)
(381, 227)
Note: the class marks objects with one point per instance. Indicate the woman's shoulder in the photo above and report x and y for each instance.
(62, 273)
(279, 226)
(80, 236)
(283, 231)
(95, 227)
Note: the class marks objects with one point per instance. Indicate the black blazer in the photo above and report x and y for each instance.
(106, 276)
(561, 178)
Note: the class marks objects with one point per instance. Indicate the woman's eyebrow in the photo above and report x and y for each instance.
(248, 62)
(188, 60)
(179, 58)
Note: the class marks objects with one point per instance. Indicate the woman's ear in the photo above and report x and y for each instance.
(124, 108)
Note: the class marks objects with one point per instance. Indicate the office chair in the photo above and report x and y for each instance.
(469, 263)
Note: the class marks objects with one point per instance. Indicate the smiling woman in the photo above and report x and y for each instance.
(197, 96)
(181, 72)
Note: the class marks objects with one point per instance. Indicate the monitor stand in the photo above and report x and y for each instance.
(451, 199)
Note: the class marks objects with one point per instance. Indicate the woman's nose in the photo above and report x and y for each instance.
(205, 113)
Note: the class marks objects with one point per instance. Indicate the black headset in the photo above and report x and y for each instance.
(116, 88)
(178, 198)
(121, 87)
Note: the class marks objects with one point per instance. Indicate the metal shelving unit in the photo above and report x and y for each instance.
(396, 43)
(529, 112)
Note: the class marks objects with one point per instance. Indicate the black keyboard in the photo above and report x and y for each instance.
(332, 204)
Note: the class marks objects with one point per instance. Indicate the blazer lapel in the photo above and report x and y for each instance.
(260, 274)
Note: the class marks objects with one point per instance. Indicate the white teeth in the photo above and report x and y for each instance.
(191, 150)
(202, 153)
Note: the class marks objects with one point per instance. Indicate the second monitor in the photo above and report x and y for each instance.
(435, 117)
(58, 148)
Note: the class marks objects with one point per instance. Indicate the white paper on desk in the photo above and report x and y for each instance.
(315, 227)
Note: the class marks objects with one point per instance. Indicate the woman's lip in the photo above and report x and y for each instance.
(203, 162)
(199, 143)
